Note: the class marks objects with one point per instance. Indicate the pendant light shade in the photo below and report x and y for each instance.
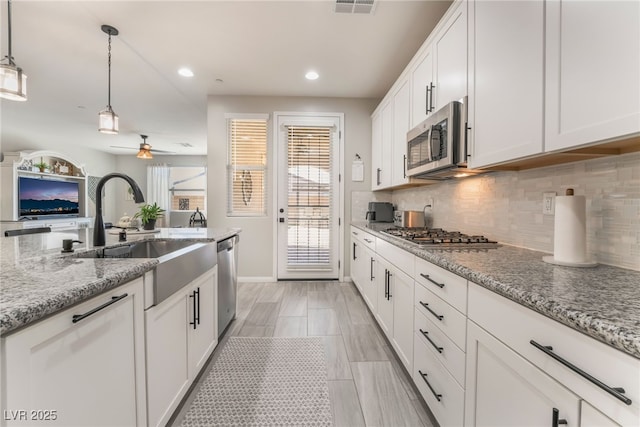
(13, 82)
(108, 120)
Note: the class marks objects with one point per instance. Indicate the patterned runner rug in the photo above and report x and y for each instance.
(264, 381)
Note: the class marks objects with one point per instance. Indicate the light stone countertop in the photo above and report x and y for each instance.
(37, 280)
(602, 302)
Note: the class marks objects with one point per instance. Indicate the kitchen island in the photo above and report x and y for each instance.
(37, 280)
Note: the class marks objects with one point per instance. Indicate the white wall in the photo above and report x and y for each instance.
(256, 256)
(137, 169)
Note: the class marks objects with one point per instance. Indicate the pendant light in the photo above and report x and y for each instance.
(13, 82)
(108, 120)
(145, 149)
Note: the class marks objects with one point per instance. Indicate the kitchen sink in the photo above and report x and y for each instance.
(179, 262)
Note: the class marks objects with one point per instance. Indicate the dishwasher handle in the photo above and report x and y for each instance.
(227, 244)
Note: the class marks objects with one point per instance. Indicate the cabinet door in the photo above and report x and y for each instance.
(387, 145)
(506, 57)
(421, 85)
(79, 374)
(384, 312)
(401, 117)
(357, 260)
(369, 290)
(504, 389)
(591, 417)
(402, 298)
(593, 69)
(167, 358)
(203, 337)
(450, 59)
(376, 151)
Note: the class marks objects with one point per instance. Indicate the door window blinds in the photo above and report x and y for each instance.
(309, 197)
(247, 167)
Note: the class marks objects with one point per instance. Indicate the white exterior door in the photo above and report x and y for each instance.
(308, 196)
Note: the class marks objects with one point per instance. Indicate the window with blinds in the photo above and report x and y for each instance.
(247, 167)
(309, 197)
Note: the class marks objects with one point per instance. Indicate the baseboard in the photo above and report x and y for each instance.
(347, 279)
(256, 279)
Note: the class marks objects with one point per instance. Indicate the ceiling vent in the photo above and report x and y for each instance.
(354, 6)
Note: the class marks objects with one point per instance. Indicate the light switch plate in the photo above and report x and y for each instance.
(549, 203)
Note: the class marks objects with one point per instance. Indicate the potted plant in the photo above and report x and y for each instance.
(148, 214)
(42, 166)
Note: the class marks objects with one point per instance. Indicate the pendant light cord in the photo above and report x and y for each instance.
(9, 56)
(109, 94)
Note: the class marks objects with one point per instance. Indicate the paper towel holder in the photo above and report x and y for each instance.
(552, 260)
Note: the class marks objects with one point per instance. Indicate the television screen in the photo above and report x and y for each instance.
(45, 197)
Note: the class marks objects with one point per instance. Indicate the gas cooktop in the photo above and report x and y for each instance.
(439, 238)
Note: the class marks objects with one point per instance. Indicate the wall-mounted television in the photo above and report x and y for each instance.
(44, 197)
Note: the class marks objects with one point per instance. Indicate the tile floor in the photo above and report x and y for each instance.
(368, 386)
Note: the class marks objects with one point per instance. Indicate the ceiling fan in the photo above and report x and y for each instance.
(145, 149)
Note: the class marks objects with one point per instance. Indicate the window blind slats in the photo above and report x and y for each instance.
(246, 167)
(309, 197)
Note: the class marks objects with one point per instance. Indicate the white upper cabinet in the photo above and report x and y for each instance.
(376, 150)
(440, 76)
(401, 118)
(421, 84)
(593, 72)
(381, 148)
(506, 53)
(450, 58)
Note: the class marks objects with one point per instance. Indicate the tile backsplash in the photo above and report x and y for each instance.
(507, 206)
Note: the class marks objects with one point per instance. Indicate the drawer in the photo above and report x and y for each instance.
(396, 256)
(448, 286)
(517, 326)
(441, 347)
(365, 238)
(446, 318)
(449, 409)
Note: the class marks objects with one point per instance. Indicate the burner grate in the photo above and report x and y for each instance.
(438, 237)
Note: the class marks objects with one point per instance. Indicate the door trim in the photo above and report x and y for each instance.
(274, 177)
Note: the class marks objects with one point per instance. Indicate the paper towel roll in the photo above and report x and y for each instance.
(570, 230)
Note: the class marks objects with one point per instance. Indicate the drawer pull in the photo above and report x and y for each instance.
(367, 240)
(424, 377)
(426, 276)
(426, 335)
(354, 232)
(555, 418)
(617, 392)
(437, 316)
(78, 317)
(371, 276)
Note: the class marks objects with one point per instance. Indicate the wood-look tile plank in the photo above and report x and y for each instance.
(294, 303)
(345, 406)
(256, 331)
(338, 365)
(271, 292)
(425, 415)
(363, 344)
(403, 375)
(324, 299)
(247, 295)
(291, 327)
(263, 314)
(358, 311)
(323, 321)
(382, 398)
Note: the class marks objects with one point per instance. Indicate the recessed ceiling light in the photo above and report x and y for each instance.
(185, 72)
(312, 75)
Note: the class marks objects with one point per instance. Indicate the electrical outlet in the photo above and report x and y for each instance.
(549, 203)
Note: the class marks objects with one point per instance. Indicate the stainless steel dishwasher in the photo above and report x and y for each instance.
(227, 281)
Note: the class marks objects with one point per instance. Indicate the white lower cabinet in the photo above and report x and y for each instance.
(384, 312)
(505, 389)
(181, 334)
(83, 366)
(591, 417)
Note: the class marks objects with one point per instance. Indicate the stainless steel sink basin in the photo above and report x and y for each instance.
(180, 262)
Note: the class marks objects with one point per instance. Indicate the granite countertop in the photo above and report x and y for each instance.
(602, 302)
(37, 280)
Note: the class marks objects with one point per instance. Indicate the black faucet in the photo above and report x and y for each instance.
(98, 225)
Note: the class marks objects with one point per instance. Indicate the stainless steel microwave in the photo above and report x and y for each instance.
(436, 148)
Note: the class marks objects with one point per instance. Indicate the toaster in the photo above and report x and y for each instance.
(409, 219)
(380, 212)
